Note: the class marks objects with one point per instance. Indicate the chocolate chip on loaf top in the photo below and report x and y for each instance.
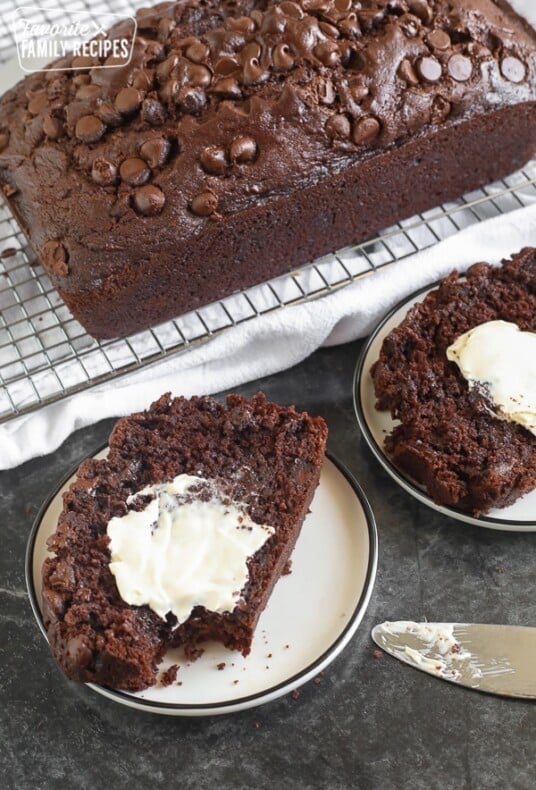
(225, 108)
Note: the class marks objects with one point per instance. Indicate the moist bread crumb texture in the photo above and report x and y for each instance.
(448, 439)
(248, 137)
(266, 456)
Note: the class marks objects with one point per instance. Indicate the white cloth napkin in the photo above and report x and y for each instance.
(270, 343)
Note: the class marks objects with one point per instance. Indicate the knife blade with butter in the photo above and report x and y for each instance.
(497, 659)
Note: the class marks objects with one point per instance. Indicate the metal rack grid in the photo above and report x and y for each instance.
(45, 355)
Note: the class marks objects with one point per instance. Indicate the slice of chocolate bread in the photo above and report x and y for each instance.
(451, 439)
(254, 459)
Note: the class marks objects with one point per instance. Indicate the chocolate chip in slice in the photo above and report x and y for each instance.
(191, 100)
(513, 69)
(143, 80)
(54, 257)
(128, 101)
(155, 151)
(153, 112)
(327, 53)
(108, 113)
(243, 149)
(228, 87)
(204, 204)
(429, 69)
(197, 52)
(38, 103)
(441, 108)
(199, 76)
(103, 172)
(407, 73)
(460, 67)
(365, 130)
(282, 57)
(52, 127)
(213, 159)
(89, 129)
(421, 9)
(253, 72)
(149, 200)
(134, 171)
(439, 39)
(226, 65)
(338, 127)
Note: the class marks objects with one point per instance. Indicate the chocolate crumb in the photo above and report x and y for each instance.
(28, 508)
(9, 252)
(55, 258)
(221, 665)
(295, 694)
(377, 653)
(170, 675)
(193, 653)
(235, 682)
(317, 681)
(499, 569)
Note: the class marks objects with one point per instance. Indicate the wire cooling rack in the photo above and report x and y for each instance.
(45, 355)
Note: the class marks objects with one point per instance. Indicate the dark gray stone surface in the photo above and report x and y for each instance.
(370, 723)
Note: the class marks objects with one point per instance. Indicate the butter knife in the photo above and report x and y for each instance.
(497, 659)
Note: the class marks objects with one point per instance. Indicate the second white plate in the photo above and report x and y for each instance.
(376, 425)
(311, 616)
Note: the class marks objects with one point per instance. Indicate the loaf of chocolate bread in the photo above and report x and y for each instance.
(245, 138)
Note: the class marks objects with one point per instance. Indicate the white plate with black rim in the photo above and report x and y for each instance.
(311, 616)
(376, 425)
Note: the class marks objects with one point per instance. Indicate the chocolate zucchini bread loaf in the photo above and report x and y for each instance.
(194, 461)
(246, 138)
(452, 439)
